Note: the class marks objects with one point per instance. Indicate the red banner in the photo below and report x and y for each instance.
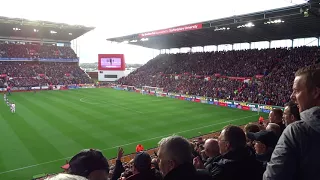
(259, 76)
(3, 75)
(246, 108)
(172, 30)
(197, 100)
(223, 104)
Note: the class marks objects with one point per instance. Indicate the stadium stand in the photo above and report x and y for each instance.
(32, 59)
(25, 74)
(213, 74)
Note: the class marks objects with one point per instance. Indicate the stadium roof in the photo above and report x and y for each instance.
(17, 27)
(291, 22)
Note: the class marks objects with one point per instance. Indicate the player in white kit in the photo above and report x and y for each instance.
(13, 107)
(4, 96)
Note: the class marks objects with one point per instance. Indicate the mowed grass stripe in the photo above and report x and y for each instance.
(12, 147)
(31, 138)
(68, 124)
(117, 127)
(51, 134)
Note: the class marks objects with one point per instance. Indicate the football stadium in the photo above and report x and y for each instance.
(230, 98)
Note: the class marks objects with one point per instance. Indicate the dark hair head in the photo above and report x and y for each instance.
(311, 74)
(278, 113)
(235, 136)
(251, 128)
(294, 110)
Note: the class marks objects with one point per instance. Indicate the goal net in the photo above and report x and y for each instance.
(149, 89)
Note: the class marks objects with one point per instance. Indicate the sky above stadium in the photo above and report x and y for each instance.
(124, 17)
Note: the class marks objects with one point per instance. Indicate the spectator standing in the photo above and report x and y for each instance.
(296, 155)
(175, 160)
(118, 167)
(275, 116)
(237, 161)
(291, 113)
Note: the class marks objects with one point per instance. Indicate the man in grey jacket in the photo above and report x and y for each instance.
(297, 154)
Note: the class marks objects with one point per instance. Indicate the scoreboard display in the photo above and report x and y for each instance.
(111, 62)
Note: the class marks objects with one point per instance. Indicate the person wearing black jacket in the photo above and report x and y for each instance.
(275, 116)
(118, 167)
(211, 150)
(237, 161)
(175, 155)
(265, 141)
(142, 168)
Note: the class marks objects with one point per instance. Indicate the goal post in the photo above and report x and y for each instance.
(150, 89)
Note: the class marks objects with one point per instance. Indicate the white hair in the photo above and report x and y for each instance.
(275, 128)
(176, 148)
(63, 176)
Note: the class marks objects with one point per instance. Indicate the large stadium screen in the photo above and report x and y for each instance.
(111, 62)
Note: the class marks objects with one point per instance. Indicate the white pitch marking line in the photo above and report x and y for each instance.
(35, 165)
(112, 104)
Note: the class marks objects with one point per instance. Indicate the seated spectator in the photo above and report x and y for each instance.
(296, 155)
(237, 161)
(66, 177)
(142, 168)
(211, 150)
(275, 116)
(91, 164)
(291, 113)
(175, 160)
(264, 143)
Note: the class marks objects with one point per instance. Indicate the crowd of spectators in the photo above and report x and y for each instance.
(186, 73)
(25, 74)
(35, 51)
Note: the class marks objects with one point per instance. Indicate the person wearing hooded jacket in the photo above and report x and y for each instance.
(296, 155)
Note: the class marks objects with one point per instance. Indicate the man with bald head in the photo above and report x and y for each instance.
(211, 150)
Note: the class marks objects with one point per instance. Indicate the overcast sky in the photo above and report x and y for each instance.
(124, 17)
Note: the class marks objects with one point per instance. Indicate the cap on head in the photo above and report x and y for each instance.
(267, 138)
(87, 161)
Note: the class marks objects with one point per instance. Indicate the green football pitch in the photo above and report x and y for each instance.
(51, 126)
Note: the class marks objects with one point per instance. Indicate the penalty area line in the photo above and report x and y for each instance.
(158, 137)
